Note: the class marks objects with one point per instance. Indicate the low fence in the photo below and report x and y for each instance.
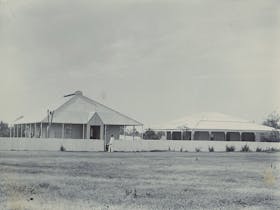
(190, 146)
(51, 144)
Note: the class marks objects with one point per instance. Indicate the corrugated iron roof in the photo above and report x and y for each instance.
(80, 109)
(213, 121)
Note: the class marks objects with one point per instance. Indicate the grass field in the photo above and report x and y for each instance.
(158, 180)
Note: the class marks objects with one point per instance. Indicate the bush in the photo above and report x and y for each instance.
(129, 192)
(230, 148)
(245, 148)
(271, 149)
(62, 148)
(211, 149)
(151, 134)
(259, 149)
(197, 149)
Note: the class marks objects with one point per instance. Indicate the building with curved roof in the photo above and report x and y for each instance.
(214, 126)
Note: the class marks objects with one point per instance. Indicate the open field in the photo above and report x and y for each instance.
(158, 180)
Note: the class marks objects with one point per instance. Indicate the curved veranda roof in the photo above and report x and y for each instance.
(213, 121)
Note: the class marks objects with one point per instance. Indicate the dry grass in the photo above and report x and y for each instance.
(164, 180)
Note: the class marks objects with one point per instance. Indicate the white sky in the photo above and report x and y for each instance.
(154, 60)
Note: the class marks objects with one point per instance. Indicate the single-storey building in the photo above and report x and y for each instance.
(214, 126)
(78, 118)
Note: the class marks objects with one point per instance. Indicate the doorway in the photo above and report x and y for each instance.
(95, 132)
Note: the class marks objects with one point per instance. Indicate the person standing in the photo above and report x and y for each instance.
(112, 138)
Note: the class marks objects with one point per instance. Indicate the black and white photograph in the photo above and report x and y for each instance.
(139, 104)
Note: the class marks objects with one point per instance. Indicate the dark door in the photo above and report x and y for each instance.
(95, 132)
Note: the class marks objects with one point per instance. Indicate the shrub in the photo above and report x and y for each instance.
(130, 192)
(181, 149)
(271, 149)
(62, 148)
(211, 149)
(154, 150)
(245, 148)
(230, 148)
(151, 134)
(134, 193)
(197, 149)
(259, 149)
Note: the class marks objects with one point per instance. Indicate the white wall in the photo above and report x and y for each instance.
(51, 144)
(163, 145)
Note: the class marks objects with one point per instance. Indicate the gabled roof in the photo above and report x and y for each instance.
(80, 109)
(213, 121)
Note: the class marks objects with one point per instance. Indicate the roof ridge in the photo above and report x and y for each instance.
(62, 105)
(228, 121)
(96, 102)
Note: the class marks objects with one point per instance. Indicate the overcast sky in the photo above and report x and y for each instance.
(154, 60)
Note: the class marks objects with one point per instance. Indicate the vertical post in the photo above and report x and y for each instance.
(124, 132)
(17, 131)
(120, 132)
(21, 130)
(30, 130)
(105, 137)
(35, 130)
(41, 130)
(192, 135)
(47, 131)
(256, 135)
(133, 128)
(83, 131)
(62, 131)
(88, 131)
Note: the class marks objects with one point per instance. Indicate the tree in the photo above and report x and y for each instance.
(131, 132)
(273, 120)
(151, 134)
(4, 129)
